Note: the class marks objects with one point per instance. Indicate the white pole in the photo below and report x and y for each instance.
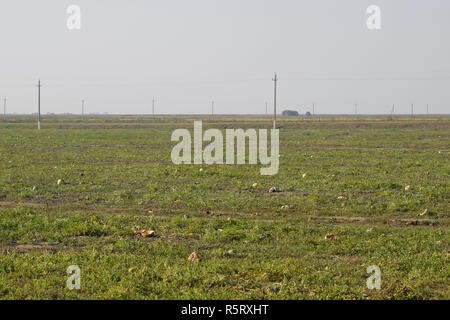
(275, 79)
(39, 105)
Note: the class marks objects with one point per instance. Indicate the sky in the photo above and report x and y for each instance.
(187, 53)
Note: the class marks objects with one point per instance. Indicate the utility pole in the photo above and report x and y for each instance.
(427, 109)
(82, 108)
(412, 110)
(4, 107)
(212, 107)
(153, 106)
(39, 104)
(275, 80)
(393, 109)
(314, 111)
(266, 107)
(356, 109)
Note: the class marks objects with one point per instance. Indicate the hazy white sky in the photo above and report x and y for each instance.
(186, 53)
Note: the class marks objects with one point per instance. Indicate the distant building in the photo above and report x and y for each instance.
(308, 114)
(290, 113)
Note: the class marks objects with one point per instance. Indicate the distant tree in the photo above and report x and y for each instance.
(308, 114)
(290, 113)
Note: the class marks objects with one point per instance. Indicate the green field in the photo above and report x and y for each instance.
(367, 182)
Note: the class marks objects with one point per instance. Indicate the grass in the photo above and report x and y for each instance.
(118, 174)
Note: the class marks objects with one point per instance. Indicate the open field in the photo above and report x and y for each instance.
(118, 174)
